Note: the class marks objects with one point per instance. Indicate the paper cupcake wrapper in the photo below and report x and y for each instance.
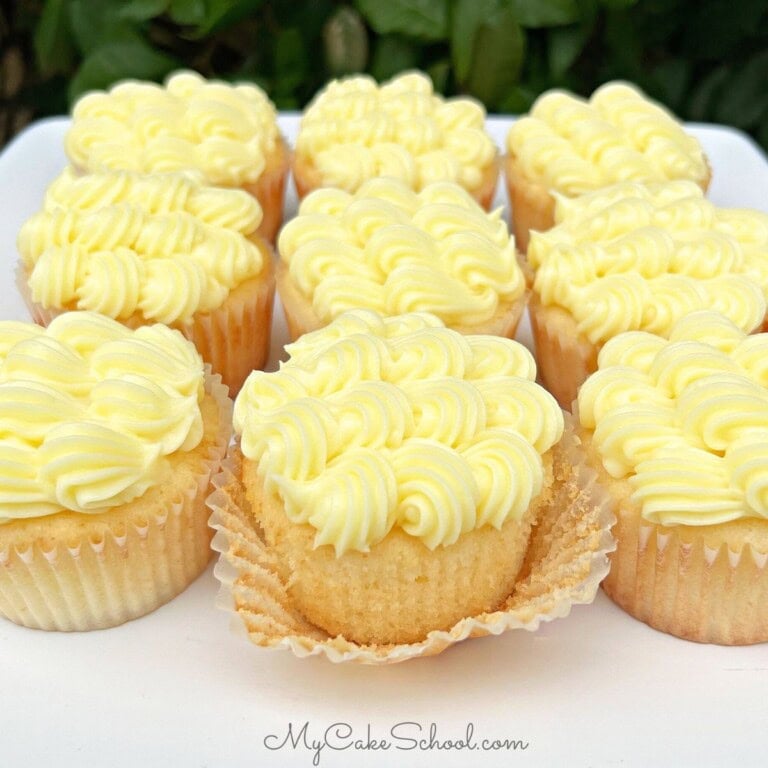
(564, 360)
(234, 338)
(269, 190)
(566, 560)
(121, 564)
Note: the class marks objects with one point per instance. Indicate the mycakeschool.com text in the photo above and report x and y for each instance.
(406, 736)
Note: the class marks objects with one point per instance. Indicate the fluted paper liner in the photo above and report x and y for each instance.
(269, 190)
(121, 564)
(566, 560)
(703, 583)
(234, 338)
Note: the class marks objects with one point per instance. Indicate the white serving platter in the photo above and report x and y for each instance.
(180, 688)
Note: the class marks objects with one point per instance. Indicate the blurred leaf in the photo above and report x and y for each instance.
(746, 97)
(618, 4)
(422, 19)
(466, 19)
(672, 78)
(345, 42)
(53, 39)
(223, 13)
(544, 13)
(290, 60)
(187, 12)
(95, 22)
(517, 100)
(143, 10)
(564, 46)
(393, 54)
(497, 57)
(440, 72)
(117, 60)
(706, 92)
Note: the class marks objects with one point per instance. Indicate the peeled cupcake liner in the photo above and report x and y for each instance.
(119, 565)
(234, 338)
(567, 559)
(307, 179)
(694, 582)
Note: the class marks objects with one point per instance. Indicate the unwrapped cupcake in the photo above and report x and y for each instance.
(164, 248)
(568, 146)
(108, 441)
(226, 132)
(393, 250)
(397, 487)
(636, 257)
(355, 130)
(678, 430)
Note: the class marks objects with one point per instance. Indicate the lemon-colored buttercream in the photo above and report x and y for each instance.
(641, 257)
(355, 130)
(395, 251)
(685, 420)
(572, 146)
(119, 243)
(88, 411)
(225, 131)
(375, 423)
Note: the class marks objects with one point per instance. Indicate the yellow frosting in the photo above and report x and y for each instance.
(393, 250)
(640, 257)
(119, 243)
(225, 131)
(573, 146)
(88, 411)
(380, 422)
(685, 420)
(355, 130)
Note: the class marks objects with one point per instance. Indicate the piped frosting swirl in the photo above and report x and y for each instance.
(573, 146)
(641, 257)
(684, 420)
(224, 131)
(393, 250)
(89, 410)
(162, 246)
(375, 423)
(355, 130)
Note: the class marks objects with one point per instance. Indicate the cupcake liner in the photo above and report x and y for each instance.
(531, 206)
(565, 562)
(704, 583)
(307, 179)
(269, 190)
(301, 318)
(103, 570)
(564, 359)
(234, 338)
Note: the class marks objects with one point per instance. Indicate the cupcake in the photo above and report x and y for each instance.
(108, 440)
(226, 132)
(569, 146)
(678, 431)
(639, 257)
(155, 249)
(393, 250)
(385, 485)
(355, 130)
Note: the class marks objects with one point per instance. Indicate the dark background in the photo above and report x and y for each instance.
(707, 60)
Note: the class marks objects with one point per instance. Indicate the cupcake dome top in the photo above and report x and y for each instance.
(356, 130)
(88, 411)
(381, 422)
(392, 250)
(225, 131)
(572, 146)
(163, 246)
(640, 257)
(685, 420)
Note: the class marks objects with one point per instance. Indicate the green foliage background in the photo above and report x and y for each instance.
(707, 60)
